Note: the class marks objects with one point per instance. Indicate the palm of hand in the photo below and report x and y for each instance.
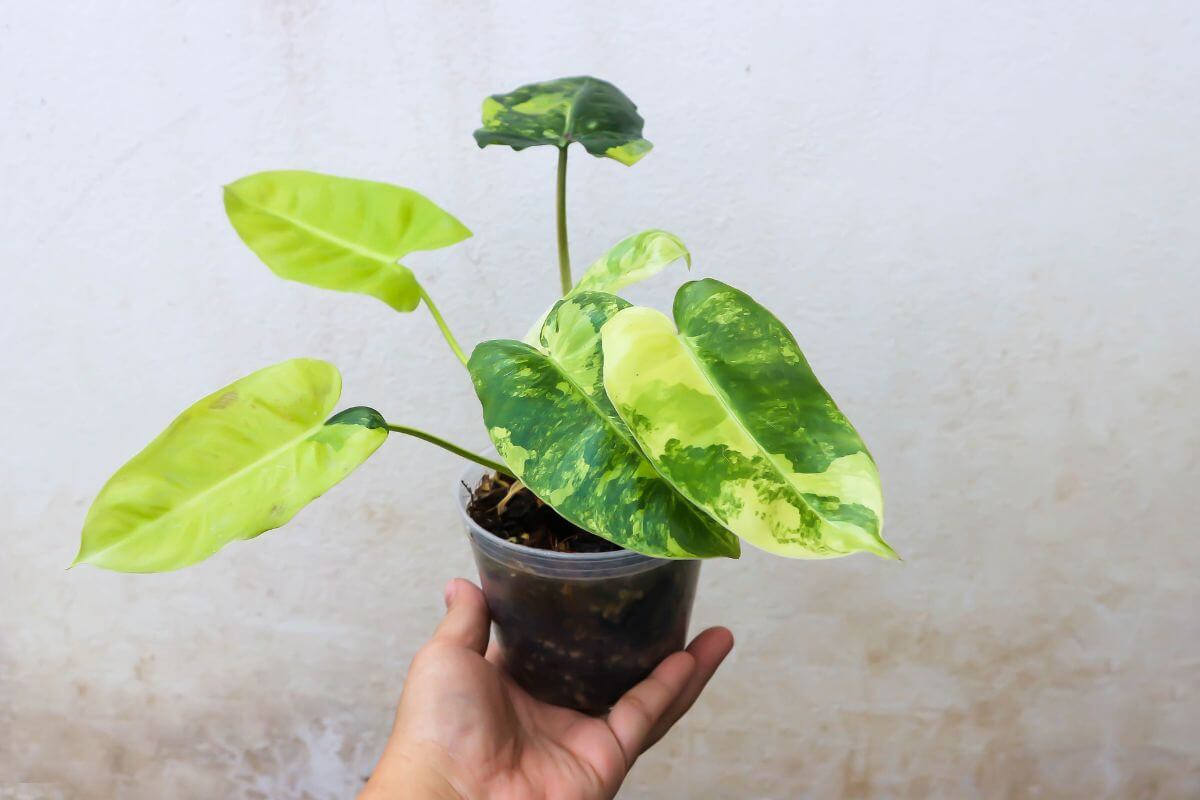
(462, 714)
(513, 746)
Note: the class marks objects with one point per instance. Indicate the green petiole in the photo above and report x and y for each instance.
(450, 446)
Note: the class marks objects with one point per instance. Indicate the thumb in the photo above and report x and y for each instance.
(467, 622)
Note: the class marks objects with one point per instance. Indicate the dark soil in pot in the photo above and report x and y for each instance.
(504, 507)
(573, 639)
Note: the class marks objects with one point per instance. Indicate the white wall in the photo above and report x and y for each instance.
(980, 219)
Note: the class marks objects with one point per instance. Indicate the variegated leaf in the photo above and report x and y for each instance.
(583, 109)
(551, 422)
(729, 411)
(635, 258)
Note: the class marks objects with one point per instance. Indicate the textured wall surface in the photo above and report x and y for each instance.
(981, 223)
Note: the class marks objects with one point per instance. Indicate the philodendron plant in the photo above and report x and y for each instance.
(671, 436)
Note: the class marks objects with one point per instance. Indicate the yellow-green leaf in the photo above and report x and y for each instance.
(587, 110)
(730, 413)
(239, 462)
(635, 258)
(339, 233)
(547, 414)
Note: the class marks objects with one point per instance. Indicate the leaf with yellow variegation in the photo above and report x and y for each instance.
(729, 412)
(548, 416)
(583, 109)
(631, 260)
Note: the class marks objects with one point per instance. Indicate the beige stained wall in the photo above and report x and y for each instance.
(980, 220)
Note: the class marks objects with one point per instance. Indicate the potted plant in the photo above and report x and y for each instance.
(629, 444)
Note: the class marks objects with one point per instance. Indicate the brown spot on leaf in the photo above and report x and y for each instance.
(224, 401)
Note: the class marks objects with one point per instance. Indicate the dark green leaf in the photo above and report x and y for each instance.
(586, 110)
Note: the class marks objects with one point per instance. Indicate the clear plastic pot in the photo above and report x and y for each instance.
(580, 629)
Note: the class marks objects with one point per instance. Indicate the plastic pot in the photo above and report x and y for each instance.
(579, 629)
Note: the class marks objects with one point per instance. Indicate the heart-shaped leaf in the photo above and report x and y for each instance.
(730, 413)
(586, 110)
(635, 258)
(239, 462)
(339, 233)
(551, 422)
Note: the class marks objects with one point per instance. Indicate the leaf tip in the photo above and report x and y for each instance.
(885, 551)
(75, 561)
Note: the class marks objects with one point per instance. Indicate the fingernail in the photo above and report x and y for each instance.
(448, 594)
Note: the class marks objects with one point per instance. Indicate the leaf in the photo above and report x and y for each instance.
(339, 233)
(583, 109)
(547, 414)
(635, 258)
(239, 462)
(730, 413)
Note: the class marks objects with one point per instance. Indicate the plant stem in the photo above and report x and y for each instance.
(441, 323)
(560, 218)
(453, 448)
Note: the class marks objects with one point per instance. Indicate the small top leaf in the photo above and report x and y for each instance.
(587, 110)
(339, 233)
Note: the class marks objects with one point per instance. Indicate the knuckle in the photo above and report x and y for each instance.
(637, 705)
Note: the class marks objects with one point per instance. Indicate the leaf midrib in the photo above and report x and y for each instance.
(569, 122)
(382, 259)
(730, 410)
(621, 431)
(625, 435)
(141, 530)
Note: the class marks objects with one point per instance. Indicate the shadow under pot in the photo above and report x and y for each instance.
(579, 629)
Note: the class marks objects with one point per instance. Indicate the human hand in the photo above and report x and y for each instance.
(464, 729)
